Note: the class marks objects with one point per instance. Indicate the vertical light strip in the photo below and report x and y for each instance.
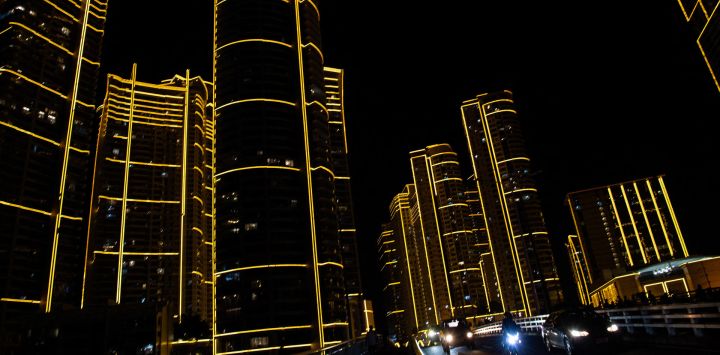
(672, 212)
(407, 260)
(342, 107)
(660, 219)
(66, 156)
(183, 195)
(308, 173)
(647, 221)
(582, 247)
(485, 288)
(641, 245)
(620, 226)
(103, 123)
(482, 206)
(581, 273)
(506, 211)
(123, 215)
(427, 257)
(702, 50)
(214, 179)
(431, 181)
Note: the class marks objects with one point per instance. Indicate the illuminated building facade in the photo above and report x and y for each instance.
(702, 16)
(619, 228)
(150, 227)
(334, 84)
(526, 273)
(279, 274)
(49, 61)
(492, 304)
(452, 247)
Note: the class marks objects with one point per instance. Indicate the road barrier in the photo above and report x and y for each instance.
(698, 317)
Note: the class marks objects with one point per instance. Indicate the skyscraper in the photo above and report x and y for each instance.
(279, 273)
(49, 61)
(150, 227)
(334, 90)
(519, 241)
(446, 225)
(619, 228)
(702, 16)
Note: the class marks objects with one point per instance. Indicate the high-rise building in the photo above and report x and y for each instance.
(492, 304)
(279, 273)
(445, 222)
(702, 16)
(519, 241)
(49, 61)
(405, 266)
(150, 226)
(334, 90)
(620, 228)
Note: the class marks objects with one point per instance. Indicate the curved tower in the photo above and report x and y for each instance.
(279, 273)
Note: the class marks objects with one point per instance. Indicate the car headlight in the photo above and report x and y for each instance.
(449, 338)
(612, 328)
(469, 334)
(579, 333)
(513, 339)
(432, 333)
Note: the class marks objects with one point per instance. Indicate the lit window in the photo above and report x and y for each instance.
(251, 226)
(289, 162)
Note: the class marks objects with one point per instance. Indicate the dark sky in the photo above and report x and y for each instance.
(607, 91)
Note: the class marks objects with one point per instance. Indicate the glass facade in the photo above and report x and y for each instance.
(527, 277)
(149, 239)
(620, 228)
(49, 61)
(279, 270)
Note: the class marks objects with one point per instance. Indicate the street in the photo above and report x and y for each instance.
(533, 345)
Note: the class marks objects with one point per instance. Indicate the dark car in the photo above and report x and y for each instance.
(578, 330)
(455, 332)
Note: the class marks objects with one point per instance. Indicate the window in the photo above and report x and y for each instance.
(251, 226)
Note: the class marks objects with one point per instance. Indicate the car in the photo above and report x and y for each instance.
(578, 329)
(454, 333)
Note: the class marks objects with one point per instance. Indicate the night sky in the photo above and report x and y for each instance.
(606, 91)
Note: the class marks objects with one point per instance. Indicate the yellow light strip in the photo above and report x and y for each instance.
(18, 300)
(482, 204)
(427, 258)
(506, 213)
(213, 180)
(520, 190)
(135, 253)
(513, 159)
(702, 50)
(253, 40)
(10, 204)
(579, 235)
(143, 163)
(336, 324)
(409, 270)
(263, 330)
(317, 49)
(672, 211)
(135, 199)
(254, 100)
(123, 215)
(66, 144)
(256, 167)
(466, 269)
(634, 225)
(620, 225)
(331, 263)
(659, 216)
(452, 205)
(647, 221)
(259, 267)
(183, 195)
(103, 125)
(308, 173)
